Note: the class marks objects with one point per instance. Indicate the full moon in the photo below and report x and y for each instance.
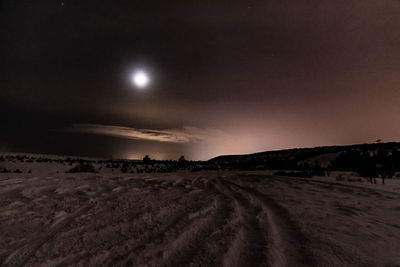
(140, 79)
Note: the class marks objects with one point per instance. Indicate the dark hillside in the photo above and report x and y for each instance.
(352, 158)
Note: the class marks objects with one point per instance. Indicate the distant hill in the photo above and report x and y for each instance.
(351, 157)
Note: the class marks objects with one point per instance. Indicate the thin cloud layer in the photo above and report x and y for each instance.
(184, 135)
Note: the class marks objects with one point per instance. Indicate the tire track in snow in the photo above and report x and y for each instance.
(249, 245)
(21, 255)
(210, 251)
(146, 233)
(190, 246)
(148, 227)
(287, 245)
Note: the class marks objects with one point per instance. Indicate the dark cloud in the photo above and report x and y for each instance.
(184, 135)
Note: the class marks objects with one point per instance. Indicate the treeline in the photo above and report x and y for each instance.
(147, 165)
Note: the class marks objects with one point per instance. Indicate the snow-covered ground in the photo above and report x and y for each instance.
(196, 219)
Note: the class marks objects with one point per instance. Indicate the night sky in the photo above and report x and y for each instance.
(224, 76)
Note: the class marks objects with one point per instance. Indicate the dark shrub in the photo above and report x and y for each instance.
(146, 159)
(82, 167)
(125, 167)
(6, 171)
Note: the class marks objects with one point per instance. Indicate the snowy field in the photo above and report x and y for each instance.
(196, 219)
